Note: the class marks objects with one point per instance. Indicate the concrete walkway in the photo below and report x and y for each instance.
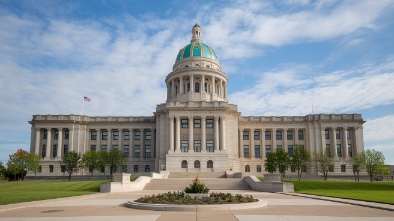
(108, 206)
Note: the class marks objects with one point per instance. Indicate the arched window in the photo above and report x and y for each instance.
(247, 168)
(210, 164)
(188, 87)
(135, 168)
(147, 168)
(259, 168)
(197, 87)
(197, 164)
(197, 65)
(186, 66)
(176, 90)
(206, 87)
(208, 66)
(184, 164)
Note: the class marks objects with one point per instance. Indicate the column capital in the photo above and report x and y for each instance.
(177, 117)
(215, 117)
(203, 117)
(223, 117)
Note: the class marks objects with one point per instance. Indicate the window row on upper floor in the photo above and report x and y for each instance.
(327, 133)
(126, 135)
(197, 123)
(278, 135)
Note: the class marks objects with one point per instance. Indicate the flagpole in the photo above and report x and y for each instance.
(83, 104)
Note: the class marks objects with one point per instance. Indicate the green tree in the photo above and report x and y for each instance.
(2, 170)
(33, 163)
(270, 164)
(282, 161)
(72, 161)
(91, 160)
(18, 163)
(102, 160)
(12, 167)
(374, 161)
(115, 160)
(324, 162)
(300, 160)
(357, 162)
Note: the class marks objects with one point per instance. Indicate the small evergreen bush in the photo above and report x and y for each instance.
(196, 187)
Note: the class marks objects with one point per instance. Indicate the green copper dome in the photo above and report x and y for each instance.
(196, 49)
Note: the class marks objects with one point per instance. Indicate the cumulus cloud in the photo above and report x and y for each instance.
(379, 129)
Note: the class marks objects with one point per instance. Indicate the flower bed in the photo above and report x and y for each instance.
(180, 198)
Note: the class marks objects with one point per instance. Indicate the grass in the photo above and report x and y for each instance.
(17, 192)
(380, 192)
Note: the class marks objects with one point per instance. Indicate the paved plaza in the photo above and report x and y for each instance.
(109, 206)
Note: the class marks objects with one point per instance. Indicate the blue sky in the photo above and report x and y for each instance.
(275, 53)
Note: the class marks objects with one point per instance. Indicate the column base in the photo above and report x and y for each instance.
(170, 151)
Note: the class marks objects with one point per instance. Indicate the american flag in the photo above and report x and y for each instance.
(86, 99)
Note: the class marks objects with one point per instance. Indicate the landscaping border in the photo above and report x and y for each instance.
(197, 208)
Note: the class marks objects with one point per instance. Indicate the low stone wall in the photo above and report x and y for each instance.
(122, 184)
(269, 186)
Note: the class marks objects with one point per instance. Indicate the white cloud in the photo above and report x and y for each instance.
(379, 129)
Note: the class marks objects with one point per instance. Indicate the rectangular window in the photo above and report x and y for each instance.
(44, 151)
(126, 151)
(93, 135)
(267, 150)
(51, 168)
(184, 145)
(337, 134)
(279, 146)
(114, 146)
(328, 148)
(104, 135)
(339, 150)
(148, 151)
(126, 135)
(246, 135)
(56, 135)
(148, 135)
(209, 145)
(197, 123)
(292, 169)
(66, 134)
(65, 148)
(327, 133)
(137, 150)
(246, 151)
(63, 168)
(45, 135)
(184, 123)
(290, 135)
(257, 151)
(54, 150)
(93, 148)
(331, 168)
(137, 135)
(343, 168)
(104, 147)
(300, 135)
(209, 123)
(290, 150)
(268, 135)
(348, 134)
(349, 150)
(197, 146)
(278, 135)
(256, 135)
(115, 135)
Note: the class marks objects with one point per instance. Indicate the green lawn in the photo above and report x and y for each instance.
(17, 192)
(381, 192)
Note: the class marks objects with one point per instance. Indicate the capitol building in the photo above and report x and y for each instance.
(196, 130)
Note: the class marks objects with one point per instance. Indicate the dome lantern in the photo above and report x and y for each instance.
(196, 33)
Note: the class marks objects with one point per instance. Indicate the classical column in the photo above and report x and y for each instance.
(131, 145)
(222, 133)
(171, 134)
(191, 143)
(241, 149)
(296, 137)
(152, 145)
(225, 90)
(191, 83)
(262, 142)
(98, 140)
(202, 83)
(71, 139)
(203, 134)
(216, 132)
(60, 143)
(142, 139)
(180, 85)
(38, 138)
(221, 87)
(251, 143)
(120, 139)
(323, 139)
(213, 85)
(109, 140)
(168, 91)
(172, 88)
(177, 134)
(345, 143)
(334, 142)
(285, 148)
(273, 137)
(49, 138)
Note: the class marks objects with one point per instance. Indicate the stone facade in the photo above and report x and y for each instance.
(196, 130)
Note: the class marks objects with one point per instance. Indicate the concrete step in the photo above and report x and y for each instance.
(193, 175)
(211, 183)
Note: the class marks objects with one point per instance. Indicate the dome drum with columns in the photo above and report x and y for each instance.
(196, 130)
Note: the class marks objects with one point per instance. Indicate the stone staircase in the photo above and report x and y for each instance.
(212, 183)
(200, 175)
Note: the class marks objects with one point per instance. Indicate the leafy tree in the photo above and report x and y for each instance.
(115, 160)
(374, 160)
(270, 164)
(91, 160)
(33, 163)
(102, 160)
(18, 163)
(282, 161)
(12, 167)
(2, 170)
(357, 162)
(72, 162)
(300, 160)
(324, 162)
